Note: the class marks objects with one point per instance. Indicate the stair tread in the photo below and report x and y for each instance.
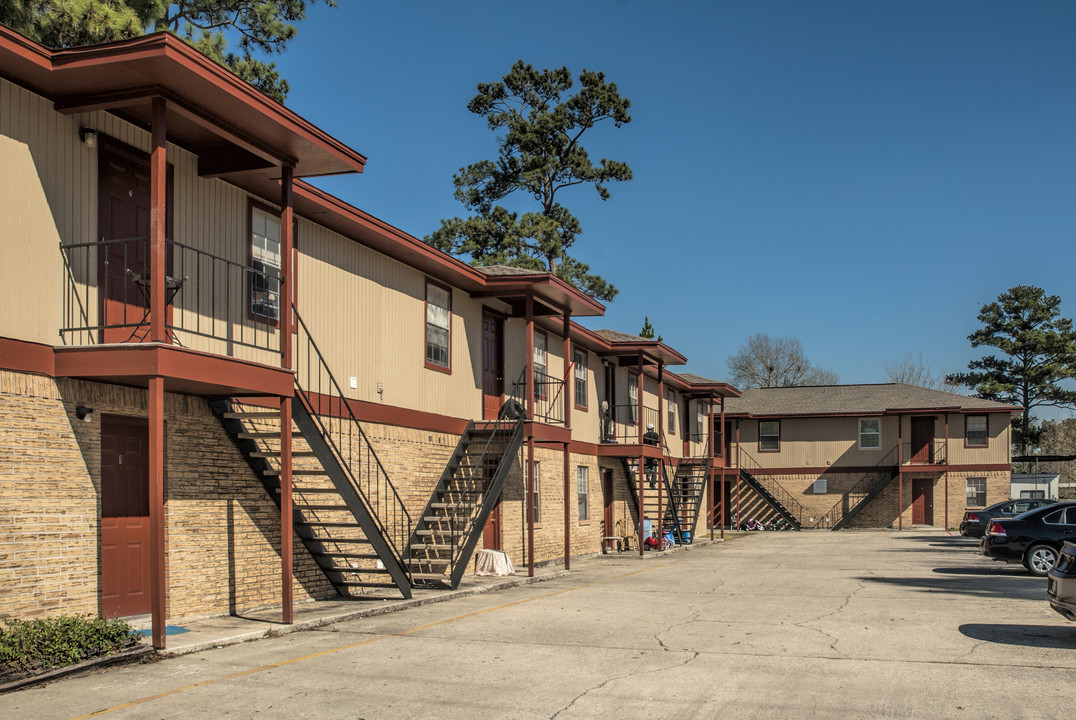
(252, 415)
(360, 583)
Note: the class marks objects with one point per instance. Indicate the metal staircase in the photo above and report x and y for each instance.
(662, 512)
(688, 484)
(771, 491)
(857, 497)
(447, 531)
(346, 510)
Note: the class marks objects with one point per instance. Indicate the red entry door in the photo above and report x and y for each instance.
(922, 501)
(125, 576)
(123, 228)
(922, 449)
(492, 365)
(607, 499)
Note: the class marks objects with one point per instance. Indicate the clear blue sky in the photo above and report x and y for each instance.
(863, 176)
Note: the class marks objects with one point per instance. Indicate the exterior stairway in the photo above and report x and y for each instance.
(688, 484)
(776, 497)
(448, 530)
(860, 494)
(662, 512)
(330, 517)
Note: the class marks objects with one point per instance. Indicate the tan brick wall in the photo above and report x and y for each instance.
(222, 529)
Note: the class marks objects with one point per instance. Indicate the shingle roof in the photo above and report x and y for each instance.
(855, 399)
(616, 336)
(697, 379)
(508, 270)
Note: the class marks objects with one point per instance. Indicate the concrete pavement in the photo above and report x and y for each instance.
(811, 624)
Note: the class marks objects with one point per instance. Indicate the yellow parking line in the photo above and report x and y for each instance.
(368, 641)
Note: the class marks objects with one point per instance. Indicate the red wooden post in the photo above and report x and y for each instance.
(158, 213)
(157, 588)
(900, 472)
(529, 472)
(530, 506)
(569, 382)
(287, 297)
(567, 508)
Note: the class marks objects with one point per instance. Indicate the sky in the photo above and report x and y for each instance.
(862, 176)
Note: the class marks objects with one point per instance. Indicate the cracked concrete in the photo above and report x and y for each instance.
(811, 624)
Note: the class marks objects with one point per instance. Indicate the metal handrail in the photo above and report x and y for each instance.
(341, 429)
(863, 487)
(936, 453)
(772, 486)
(548, 404)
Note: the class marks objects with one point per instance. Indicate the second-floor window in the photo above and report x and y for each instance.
(700, 422)
(580, 358)
(541, 363)
(670, 401)
(975, 430)
(264, 264)
(870, 433)
(438, 327)
(769, 435)
(633, 398)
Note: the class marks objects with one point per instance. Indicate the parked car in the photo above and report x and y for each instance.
(975, 522)
(1061, 586)
(1034, 538)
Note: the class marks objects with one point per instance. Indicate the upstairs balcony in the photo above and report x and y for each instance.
(215, 309)
(621, 423)
(931, 452)
(550, 406)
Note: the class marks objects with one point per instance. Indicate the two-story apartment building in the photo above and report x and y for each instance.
(865, 455)
(223, 388)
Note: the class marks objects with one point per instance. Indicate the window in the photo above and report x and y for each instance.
(870, 433)
(1033, 494)
(535, 488)
(438, 327)
(700, 422)
(633, 397)
(582, 474)
(670, 402)
(976, 495)
(975, 431)
(769, 435)
(541, 363)
(580, 357)
(264, 264)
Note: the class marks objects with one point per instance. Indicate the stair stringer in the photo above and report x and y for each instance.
(770, 500)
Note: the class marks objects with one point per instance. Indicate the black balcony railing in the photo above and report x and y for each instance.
(549, 405)
(620, 423)
(107, 289)
(928, 453)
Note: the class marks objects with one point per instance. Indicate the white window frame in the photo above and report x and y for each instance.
(582, 387)
(582, 486)
(265, 261)
(670, 409)
(536, 490)
(438, 326)
(633, 398)
(979, 492)
(877, 435)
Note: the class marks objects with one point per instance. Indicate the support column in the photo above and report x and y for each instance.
(158, 214)
(569, 374)
(157, 585)
(568, 507)
(530, 504)
(900, 472)
(639, 477)
(724, 464)
(287, 243)
(739, 518)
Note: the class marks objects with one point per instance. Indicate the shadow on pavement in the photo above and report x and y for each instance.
(1042, 636)
(977, 586)
(986, 570)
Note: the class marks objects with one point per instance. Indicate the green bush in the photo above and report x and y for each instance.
(28, 645)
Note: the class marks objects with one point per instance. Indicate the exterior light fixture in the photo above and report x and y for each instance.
(88, 136)
(84, 413)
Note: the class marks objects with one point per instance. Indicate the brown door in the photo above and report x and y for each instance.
(124, 516)
(491, 533)
(123, 228)
(922, 449)
(922, 501)
(492, 365)
(607, 499)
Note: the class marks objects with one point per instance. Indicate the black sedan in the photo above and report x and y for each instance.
(975, 522)
(1034, 538)
(1061, 588)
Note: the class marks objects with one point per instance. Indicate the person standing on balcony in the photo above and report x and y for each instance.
(650, 437)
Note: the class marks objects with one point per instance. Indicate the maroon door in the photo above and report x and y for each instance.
(922, 449)
(492, 365)
(922, 501)
(124, 516)
(491, 533)
(123, 228)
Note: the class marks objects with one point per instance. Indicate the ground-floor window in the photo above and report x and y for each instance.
(535, 474)
(976, 496)
(581, 477)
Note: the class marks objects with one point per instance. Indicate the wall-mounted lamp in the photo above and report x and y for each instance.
(84, 413)
(88, 136)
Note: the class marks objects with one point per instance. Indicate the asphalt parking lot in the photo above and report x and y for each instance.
(776, 625)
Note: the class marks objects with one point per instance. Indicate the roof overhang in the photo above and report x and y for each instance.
(237, 132)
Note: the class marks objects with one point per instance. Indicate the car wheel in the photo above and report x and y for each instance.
(1039, 560)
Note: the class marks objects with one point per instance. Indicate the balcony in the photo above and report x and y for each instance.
(620, 423)
(924, 453)
(549, 405)
(213, 304)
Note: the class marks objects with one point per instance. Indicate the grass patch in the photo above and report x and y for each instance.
(30, 646)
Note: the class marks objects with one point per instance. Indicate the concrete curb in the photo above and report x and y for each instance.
(126, 657)
(277, 629)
